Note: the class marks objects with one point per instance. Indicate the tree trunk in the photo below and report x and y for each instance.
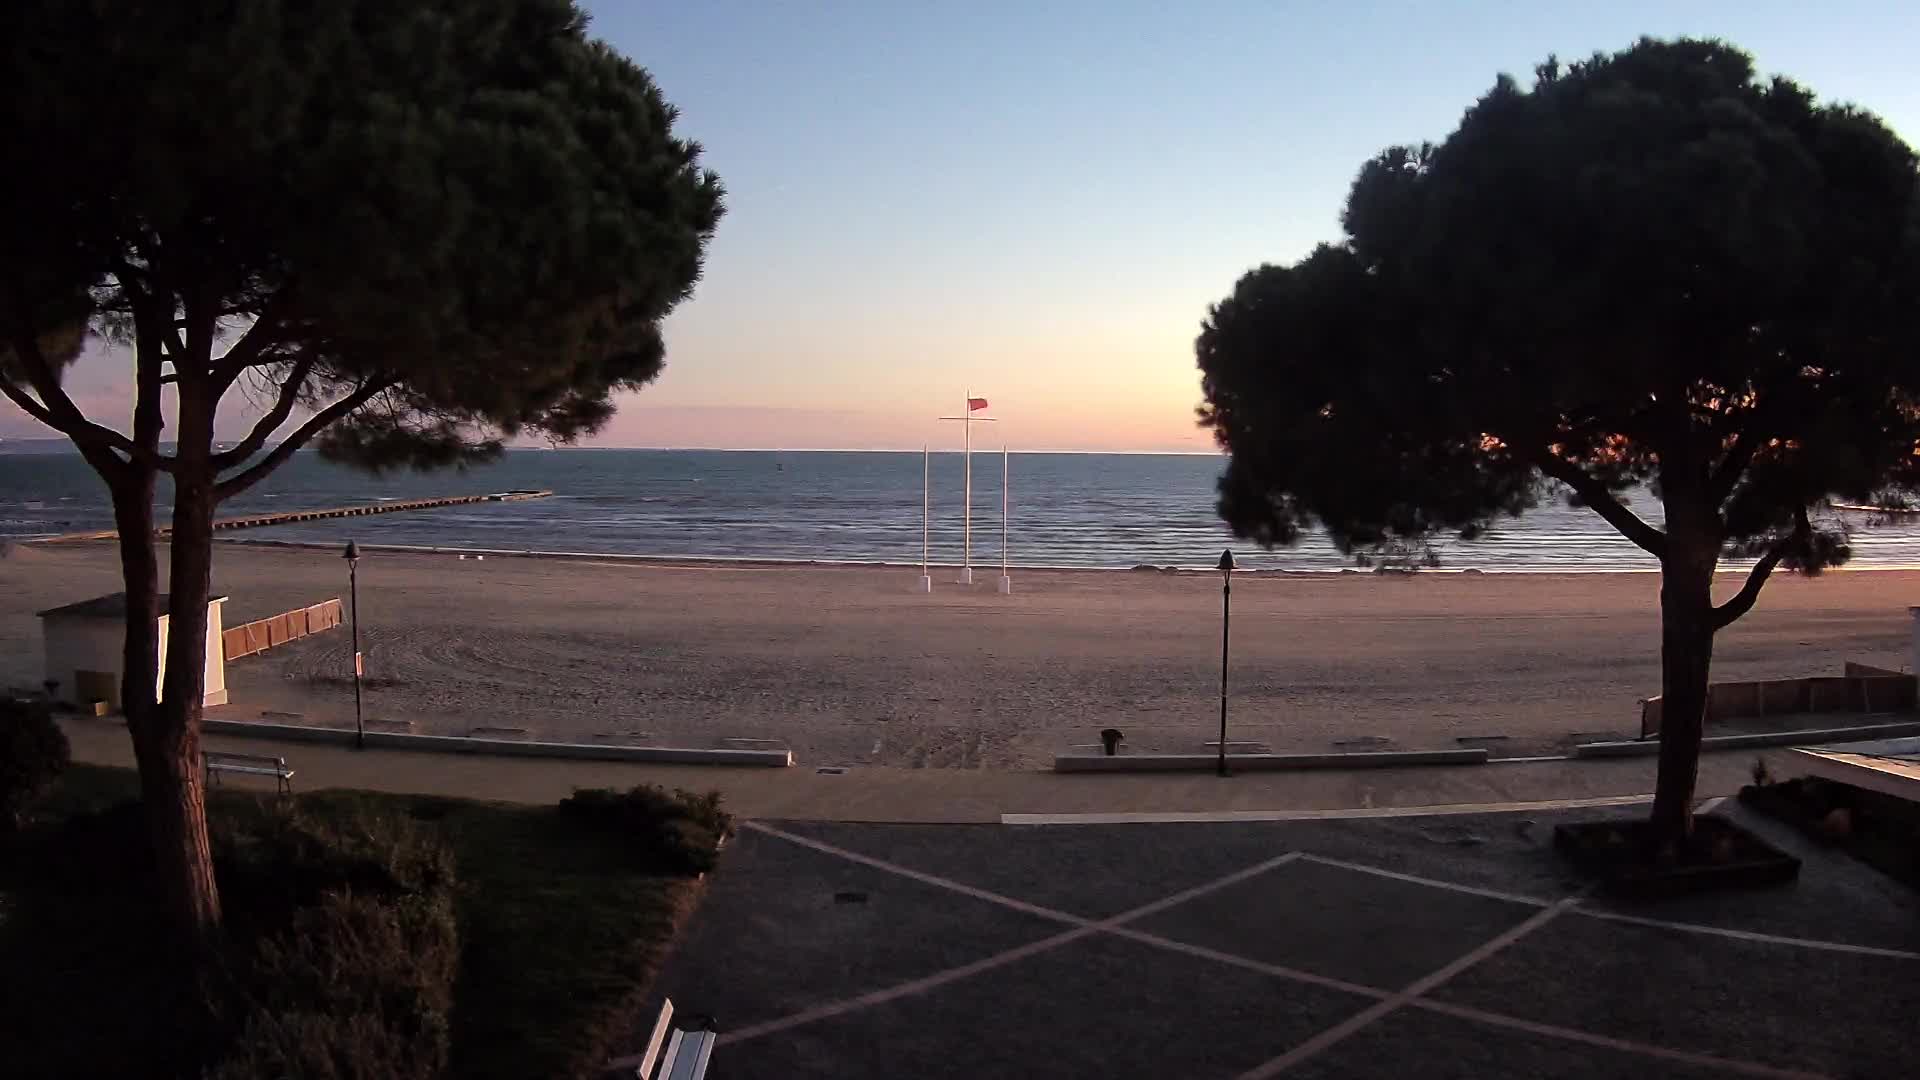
(140, 571)
(169, 745)
(1686, 654)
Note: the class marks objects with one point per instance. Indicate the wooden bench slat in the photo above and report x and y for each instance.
(652, 1054)
(213, 762)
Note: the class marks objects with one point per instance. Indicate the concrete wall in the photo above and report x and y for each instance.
(455, 744)
(74, 645)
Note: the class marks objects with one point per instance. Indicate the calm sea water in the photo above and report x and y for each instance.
(1079, 510)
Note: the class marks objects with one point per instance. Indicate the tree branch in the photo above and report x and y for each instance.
(1740, 455)
(1742, 602)
(315, 424)
(58, 411)
(25, 401)
(247, 352)
(1595, 495)
(270, 423)
(167, 331)
(227, 313)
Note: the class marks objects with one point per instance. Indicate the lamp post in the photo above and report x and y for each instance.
(352, 555)
(1226, 616)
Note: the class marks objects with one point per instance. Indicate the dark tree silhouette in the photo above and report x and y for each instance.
(409, 229)
(1648, 267)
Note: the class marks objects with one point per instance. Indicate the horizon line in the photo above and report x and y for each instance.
(873, 450)
(68, 445)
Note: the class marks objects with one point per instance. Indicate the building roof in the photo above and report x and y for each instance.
(110, 606)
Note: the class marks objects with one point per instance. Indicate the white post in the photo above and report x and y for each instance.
(1006, 583)
(966, 519)
(926, 515)
(966, 512)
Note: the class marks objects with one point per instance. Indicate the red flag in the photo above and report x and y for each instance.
(975, 404)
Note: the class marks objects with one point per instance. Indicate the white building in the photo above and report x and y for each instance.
(86, 642)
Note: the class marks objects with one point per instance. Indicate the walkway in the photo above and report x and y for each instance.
(945, 795)
(1417, 947)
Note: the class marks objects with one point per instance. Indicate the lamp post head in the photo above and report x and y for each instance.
(1226, 561)
(352, 554)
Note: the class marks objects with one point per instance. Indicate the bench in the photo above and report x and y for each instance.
(215, 762)
(685, 1055)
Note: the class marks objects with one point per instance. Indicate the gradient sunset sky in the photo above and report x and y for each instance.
(1036, 202)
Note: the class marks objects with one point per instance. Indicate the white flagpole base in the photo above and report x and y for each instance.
(966, 575)
(926, 583)
(1006, 584)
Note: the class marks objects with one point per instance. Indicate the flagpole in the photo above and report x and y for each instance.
(1006, 471)
(926, 515)
(966, 418)
(966, 520)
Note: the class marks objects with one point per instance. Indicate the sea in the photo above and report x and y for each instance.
(1116, 511)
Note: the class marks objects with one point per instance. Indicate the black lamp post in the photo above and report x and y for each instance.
(1226, 616)
(352, 556)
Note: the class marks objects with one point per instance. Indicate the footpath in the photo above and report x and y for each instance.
(955, 796)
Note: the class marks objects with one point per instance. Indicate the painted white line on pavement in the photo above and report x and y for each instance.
(1354, 813)
(925, 879)
(917, 986)
(1638, 920)
(1749, 935)
(1432, 883)
(1279, 971)
(1370, 1015)
(1717, 1064)
(1386, 1001)
(1086, 928)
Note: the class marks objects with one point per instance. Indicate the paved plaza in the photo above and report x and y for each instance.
(1447, 946)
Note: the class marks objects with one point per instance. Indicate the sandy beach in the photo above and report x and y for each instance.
(850, 666)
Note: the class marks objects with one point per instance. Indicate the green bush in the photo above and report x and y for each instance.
(283, 858)
(358, 986)
(33, 754)
(351, 973)
(672, 833)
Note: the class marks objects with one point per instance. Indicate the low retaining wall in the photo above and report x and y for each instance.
(456, 744)
(1365, 759)
(1650, 747)
(263, 634)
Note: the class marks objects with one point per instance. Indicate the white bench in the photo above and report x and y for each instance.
(686, 1053)
(215, 762)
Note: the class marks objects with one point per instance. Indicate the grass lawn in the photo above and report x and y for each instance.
(560, 933)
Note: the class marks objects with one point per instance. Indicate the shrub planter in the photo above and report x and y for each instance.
(1719, 855)
(1879, 830)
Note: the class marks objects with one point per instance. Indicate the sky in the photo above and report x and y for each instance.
(1035, 202)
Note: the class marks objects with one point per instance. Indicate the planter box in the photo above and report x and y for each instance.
(1720, 855)
(1880, 830)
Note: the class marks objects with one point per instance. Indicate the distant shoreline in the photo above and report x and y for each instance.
(762, 562)
(982, 568)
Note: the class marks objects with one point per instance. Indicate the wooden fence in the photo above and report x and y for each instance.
(1863, 689)
(264, 634)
